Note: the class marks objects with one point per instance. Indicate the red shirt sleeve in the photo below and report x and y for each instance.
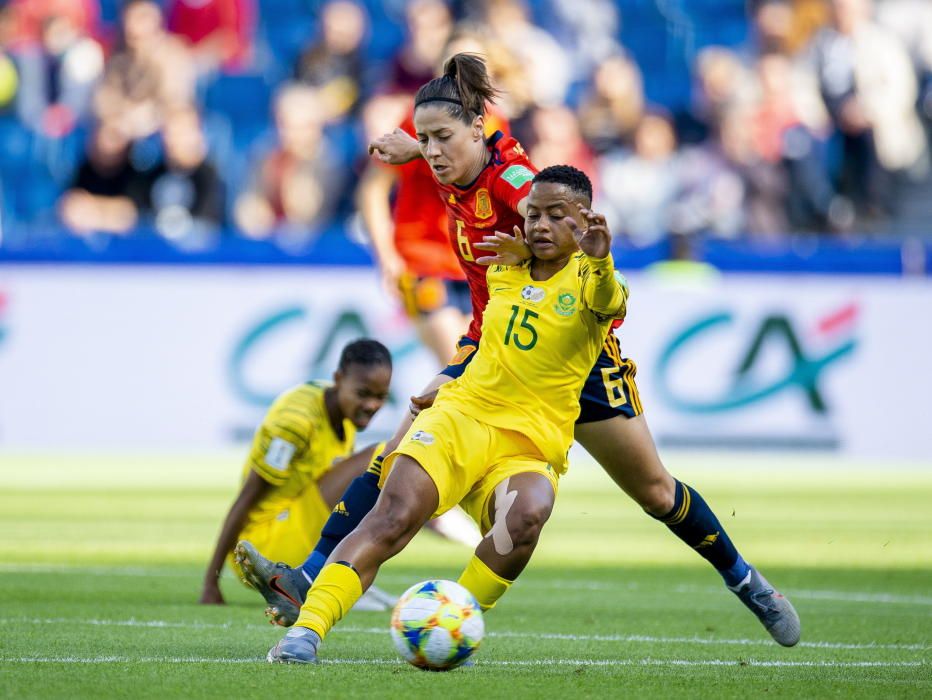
(512, 180)
(512, 184)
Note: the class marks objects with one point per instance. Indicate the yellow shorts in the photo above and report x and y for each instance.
(467, 459)
(291, 535)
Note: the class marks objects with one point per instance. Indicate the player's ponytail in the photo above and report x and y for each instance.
(463, 89)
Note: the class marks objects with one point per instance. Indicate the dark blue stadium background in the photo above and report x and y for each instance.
(662, 36)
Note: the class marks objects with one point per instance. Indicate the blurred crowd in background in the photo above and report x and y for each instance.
(200, 120)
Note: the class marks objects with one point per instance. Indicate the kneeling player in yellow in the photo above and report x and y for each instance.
(495, 439)
(294, 475)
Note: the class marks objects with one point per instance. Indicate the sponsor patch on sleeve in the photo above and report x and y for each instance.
(517, 176)
(423, 436)
(279, 454)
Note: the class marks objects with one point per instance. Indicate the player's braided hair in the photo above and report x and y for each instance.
(463, 89)
(567, 175)
(365, 352)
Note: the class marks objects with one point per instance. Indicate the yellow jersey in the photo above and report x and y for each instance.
(294, 447)
(539, 343)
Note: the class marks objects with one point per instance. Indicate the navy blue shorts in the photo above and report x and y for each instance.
(609, 390)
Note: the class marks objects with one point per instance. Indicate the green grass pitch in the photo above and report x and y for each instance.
(101, 561)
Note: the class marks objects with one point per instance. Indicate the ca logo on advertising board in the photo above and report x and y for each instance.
(295, 343)
(756, 382)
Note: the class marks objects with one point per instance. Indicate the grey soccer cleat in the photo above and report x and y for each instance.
(283, 588)
(774, 611)
(298, 646)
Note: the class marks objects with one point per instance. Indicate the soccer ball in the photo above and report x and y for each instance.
(437, 625)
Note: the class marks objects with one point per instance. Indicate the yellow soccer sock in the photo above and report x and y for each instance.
(483, 583)
(334, 592)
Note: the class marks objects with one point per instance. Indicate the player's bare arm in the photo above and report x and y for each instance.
(419, 403)
(253, 490)
(372, 200)
(395, 148)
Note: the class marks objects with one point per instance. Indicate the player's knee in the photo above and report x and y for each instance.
(657, 496)
(392, 522)
(525, 525)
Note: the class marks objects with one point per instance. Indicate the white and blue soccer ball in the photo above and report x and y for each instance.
(437, 625)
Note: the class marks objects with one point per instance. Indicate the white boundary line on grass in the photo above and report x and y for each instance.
(837, 596)
(479, 664)
(637, 638)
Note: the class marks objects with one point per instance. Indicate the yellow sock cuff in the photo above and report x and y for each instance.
(483, 583)
(334, 592)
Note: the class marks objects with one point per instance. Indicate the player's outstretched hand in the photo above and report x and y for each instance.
(395, 148)
(419, 403)
(595, 241)
(211, 595)
(508, 249)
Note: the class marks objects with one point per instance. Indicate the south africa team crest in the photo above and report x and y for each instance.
(483, 204)
(566, 303)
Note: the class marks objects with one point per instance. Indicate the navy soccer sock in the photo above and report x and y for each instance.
(357, 500)
(693, 521)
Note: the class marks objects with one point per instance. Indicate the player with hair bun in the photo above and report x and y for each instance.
(409, 236)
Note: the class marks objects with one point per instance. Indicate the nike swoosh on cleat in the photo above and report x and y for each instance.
(273, 584)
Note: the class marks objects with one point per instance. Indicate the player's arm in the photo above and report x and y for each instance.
(603, 291)
(418, 403)
(254, 488)
(278, 442)
(426, 398)
(372, 201)
(395, 148)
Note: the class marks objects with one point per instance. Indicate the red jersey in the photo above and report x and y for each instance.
(489, 204)
(421, 236)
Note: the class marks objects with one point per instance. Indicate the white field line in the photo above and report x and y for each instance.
(837, 596)
(626, 638)
(829, 595)
(538, 663)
